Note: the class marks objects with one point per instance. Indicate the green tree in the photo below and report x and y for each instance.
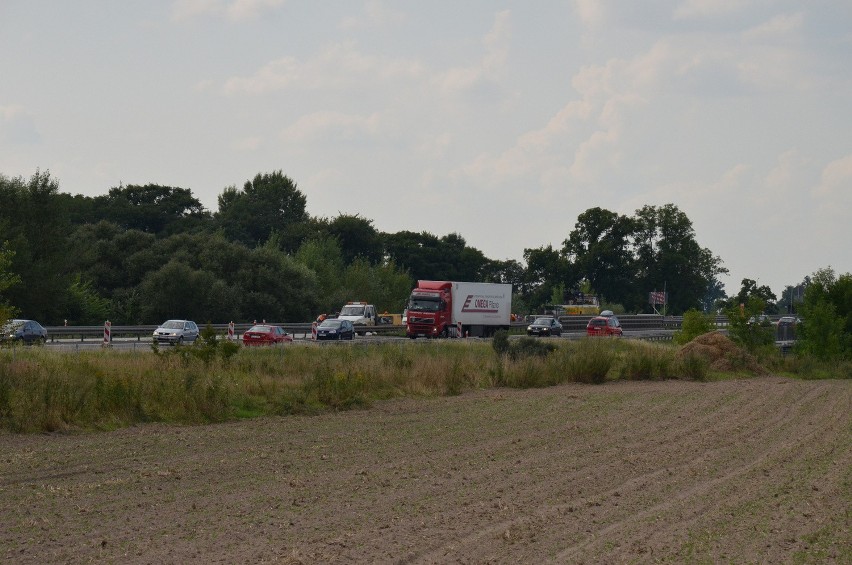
(547, 271)
(35, 225)
(668, 256)
(743, 325)
(322, 255)
(356, 237)
(269, 202)
(153, 208)
(826, 331)
(428, 257)
(599, 247)
(8, 279)
(694, 324)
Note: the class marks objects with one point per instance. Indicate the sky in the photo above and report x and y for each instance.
(499, 120)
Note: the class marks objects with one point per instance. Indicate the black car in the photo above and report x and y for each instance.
(26, 331)
(545, 326)
(335, 329)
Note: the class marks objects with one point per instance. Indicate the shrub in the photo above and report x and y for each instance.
(693, 367)
(648, 362)
(591, 361)
(500, 342)
(695, 323)
(530, 347)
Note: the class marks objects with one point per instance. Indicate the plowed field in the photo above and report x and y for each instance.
(756, 470)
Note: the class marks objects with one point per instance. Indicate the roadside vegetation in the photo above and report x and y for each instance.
(213, 381)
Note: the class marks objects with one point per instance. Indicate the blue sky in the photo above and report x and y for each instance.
(499, 120)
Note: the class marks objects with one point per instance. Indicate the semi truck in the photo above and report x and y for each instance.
(445, 308)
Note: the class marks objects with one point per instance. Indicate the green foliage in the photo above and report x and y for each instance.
(826, 331)
(8, 279)
(694, 324)
(525, 347)
(36, 226)
(649, 363)
(591, 362)
(693, 367)
(521, 348)
(86, 307)
(743, 327)
(500, 342)
(268, 203)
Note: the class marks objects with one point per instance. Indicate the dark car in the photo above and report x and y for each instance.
(545, 326)
(265, 334)
(25, 331)
(604, 325)
(176, 332)
(335, 329)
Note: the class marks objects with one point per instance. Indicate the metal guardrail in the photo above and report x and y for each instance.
(144, 332)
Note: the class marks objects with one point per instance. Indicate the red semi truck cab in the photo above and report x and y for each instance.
(430, 309)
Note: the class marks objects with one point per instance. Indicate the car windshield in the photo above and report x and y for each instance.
(424, 304)
(173, 325)
(597, 322)
(352, 310)
(331, 324)
(261, 329)
(542, 321)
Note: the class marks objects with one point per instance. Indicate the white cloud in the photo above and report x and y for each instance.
(376, 14)
(17, 126)
(698, 9)
(592, 13)
(492, 65)
(335, 67)
(779, 26)
(336, 124)
(234, 9)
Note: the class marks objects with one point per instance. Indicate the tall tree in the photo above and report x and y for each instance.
(153, 208)
(268, 203)
(36, 225)
(668, 256)
(547, 269)
(356, 237)
(600, 247)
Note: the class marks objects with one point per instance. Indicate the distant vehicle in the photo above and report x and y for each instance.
(265, 334)
(176, 332)
(336, 329)
(604, 325)
(360, 314)
(786, 328)
(545, 326)
(25, 331)
(437, 308)
(761, 320)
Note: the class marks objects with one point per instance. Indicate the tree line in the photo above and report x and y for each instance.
(144, 253)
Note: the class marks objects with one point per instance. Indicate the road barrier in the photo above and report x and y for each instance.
(304, 330)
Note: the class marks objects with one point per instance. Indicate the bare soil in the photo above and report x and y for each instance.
(754, 470)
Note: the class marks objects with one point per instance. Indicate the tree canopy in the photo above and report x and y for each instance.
(144, 252)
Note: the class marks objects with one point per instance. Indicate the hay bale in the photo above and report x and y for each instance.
(721, 354)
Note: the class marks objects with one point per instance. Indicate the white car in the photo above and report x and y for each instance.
(176, 332)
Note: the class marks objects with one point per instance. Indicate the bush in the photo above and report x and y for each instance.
(530, 347)
(693, 367)
(695, 323)
(647, 362)
(591, 361)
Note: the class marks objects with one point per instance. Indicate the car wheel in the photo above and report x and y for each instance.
(180, 340)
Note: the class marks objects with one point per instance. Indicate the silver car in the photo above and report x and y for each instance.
(176, 332)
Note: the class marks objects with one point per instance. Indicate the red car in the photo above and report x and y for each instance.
(604, 325)
(264, 334)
